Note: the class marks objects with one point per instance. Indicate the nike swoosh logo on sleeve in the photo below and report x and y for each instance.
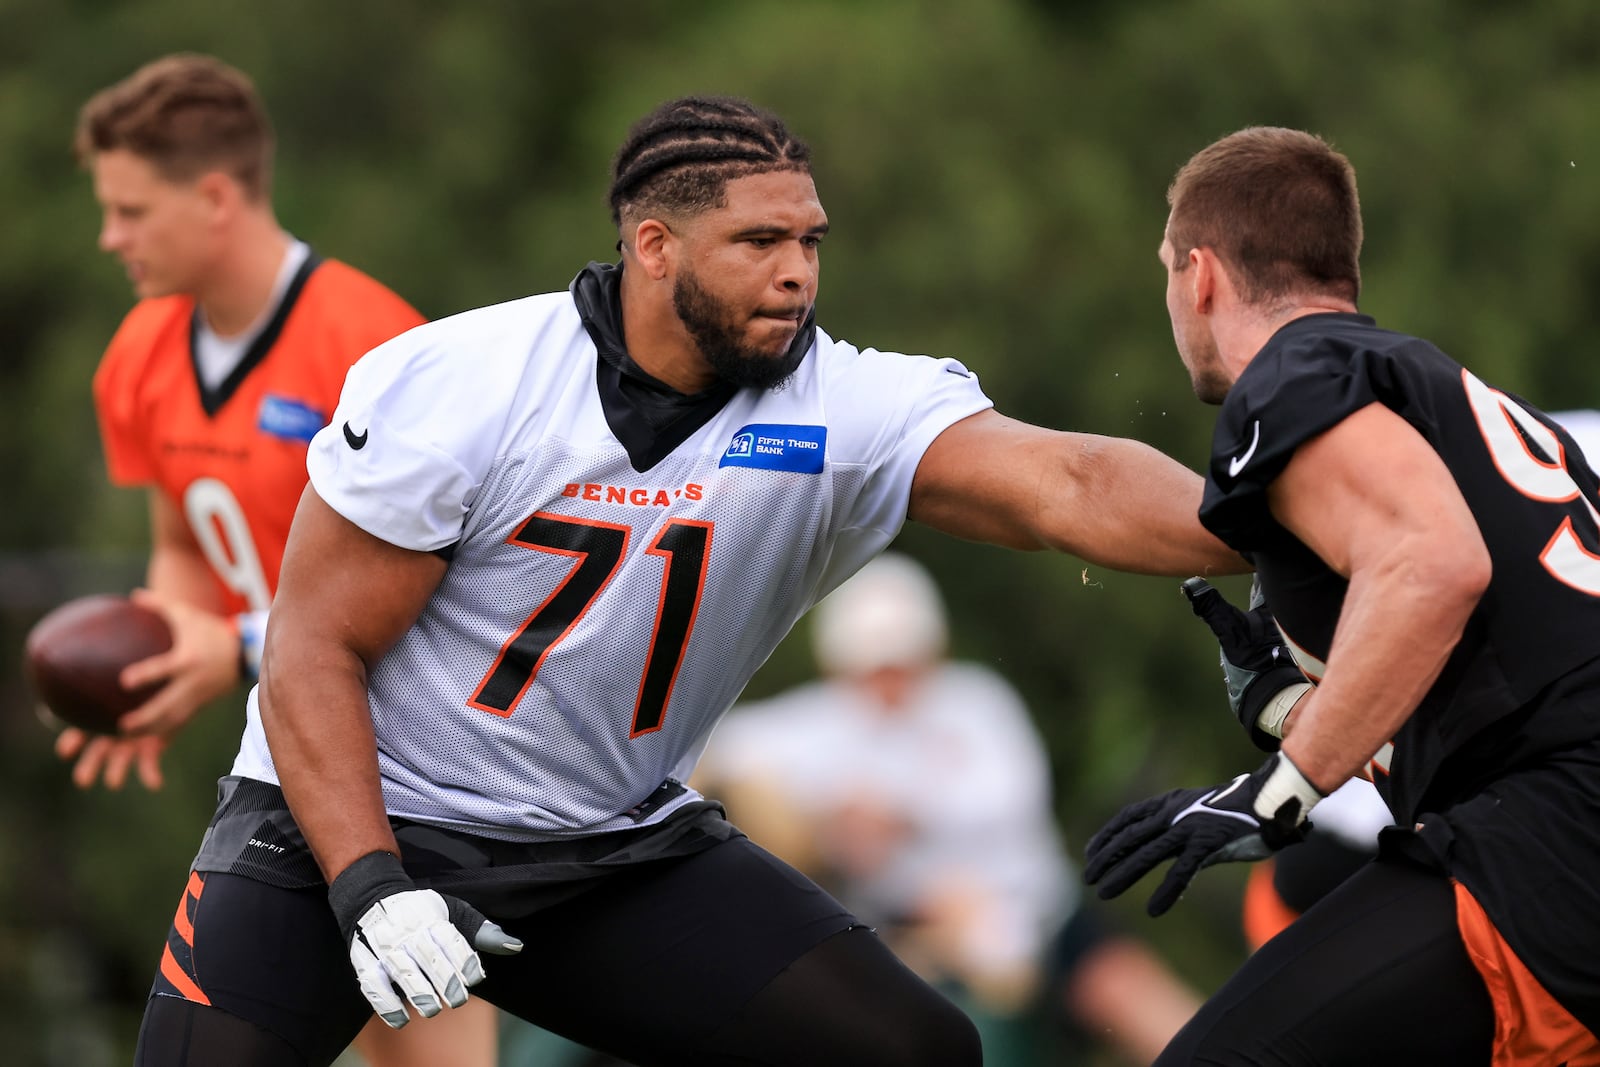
(1235, 465)
(352, 439)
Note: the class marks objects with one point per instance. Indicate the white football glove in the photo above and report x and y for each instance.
(416, 940)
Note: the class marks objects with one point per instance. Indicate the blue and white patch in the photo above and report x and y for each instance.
(289, 419)
(778, 447)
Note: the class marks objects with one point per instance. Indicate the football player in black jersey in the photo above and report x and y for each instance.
(1430, 546)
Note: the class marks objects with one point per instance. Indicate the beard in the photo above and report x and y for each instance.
(719, 333)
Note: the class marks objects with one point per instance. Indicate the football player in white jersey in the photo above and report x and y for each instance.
(545, 545)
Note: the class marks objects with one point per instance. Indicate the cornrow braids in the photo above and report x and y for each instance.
(679, 158)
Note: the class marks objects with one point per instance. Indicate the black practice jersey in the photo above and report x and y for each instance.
(1529, 488)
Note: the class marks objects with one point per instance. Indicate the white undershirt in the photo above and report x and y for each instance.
(216, 356)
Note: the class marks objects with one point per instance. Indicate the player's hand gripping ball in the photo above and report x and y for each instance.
(74, 655)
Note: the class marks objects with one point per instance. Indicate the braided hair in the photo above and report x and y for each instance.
(679, 159)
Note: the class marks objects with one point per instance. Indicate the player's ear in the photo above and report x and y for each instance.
(1205, 274)
(653, 246)
(220, 192)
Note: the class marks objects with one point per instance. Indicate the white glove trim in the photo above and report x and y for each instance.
(1284, 784)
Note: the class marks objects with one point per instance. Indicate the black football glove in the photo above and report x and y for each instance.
(416, 939)
(1258, 668)
(1246, 819)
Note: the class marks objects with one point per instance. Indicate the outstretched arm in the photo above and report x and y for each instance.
(1108, 500)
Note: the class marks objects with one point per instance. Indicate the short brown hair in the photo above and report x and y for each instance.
(1278, 207)
(185, 114)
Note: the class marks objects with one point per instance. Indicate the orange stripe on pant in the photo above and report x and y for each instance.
(172, 972)
(180, 921)
(1531, 1029)
(171, 969)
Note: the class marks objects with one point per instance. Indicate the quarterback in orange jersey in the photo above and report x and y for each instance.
(208, 395)
(230, 457)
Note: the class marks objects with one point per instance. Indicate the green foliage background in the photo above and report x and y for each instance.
(994, 173)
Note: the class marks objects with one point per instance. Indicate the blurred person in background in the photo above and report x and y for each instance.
(208, 396)
(917, 789)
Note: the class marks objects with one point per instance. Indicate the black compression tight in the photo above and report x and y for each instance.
(849, 1002)
(181, 1033)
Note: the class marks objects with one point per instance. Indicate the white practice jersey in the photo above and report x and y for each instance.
(596, 620)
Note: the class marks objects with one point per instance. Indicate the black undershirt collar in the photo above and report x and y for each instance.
(648, 417)
(211, 400)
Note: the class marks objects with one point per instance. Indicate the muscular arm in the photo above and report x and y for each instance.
(344, 598)
(1378, 505)
(1108, 500)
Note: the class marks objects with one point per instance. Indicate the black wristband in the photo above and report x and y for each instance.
(362, 884)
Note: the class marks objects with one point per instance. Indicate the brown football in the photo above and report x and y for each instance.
(75, 653)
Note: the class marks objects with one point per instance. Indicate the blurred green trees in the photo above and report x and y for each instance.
(995, 176)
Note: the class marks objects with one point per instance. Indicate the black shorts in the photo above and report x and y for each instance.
(1527, 847)
(648, 938)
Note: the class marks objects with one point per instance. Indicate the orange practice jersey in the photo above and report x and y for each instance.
(233, 459)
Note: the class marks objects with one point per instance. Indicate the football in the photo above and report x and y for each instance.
(74, 655)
